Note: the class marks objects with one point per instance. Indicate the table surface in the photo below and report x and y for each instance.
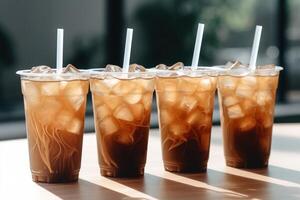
(281, 180)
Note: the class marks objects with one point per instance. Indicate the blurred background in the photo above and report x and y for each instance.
(164, 32)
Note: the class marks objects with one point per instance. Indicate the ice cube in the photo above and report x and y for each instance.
(136, 68)
(169, 85)
(76, 101)
(75, 126)
(263, 97)
(113, 68)
(147, 84)
(199, 118)
(268, 83)
(63, 119)
(188, 103)
(248, 105)
(240, 71)
(226, 83)
(138, 111)
(170, 98)
(249, 80)
(244, 91)
(123, 87)
(108, 126)
(165, 84)
(49, 109)
(161, 66)
(195, 117)
(112, 101)
(232, 64)
(31, 92)
(135, 95)
(50, 88)
(176, 66)
(165, 116)
(123, 112)
(30, 88)
(102, 112)
(110, 82)
(205, 100)
(230, 101)
(205, 84)
(247, 124)
(97, 100)
(70, 69)
(235, 112)
(98, 86)
(63, 84)
(76, 88)
(42, 69)
(188, 85)
(179, 128)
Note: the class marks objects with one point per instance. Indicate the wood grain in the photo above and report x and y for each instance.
(281, 180)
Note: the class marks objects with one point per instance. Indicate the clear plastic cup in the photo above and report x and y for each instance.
(122, 108)
(247, 107)
(185, 101)
(54, 111)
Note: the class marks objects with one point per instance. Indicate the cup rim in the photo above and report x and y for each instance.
(276, 68)
(100, 71)
(189, 69)
(257, 72)
(28, 73)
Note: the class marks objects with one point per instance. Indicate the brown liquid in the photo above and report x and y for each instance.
(122, 111)
(55, 120)
(185, 108)
(247, 106)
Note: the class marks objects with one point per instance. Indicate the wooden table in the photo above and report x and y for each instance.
(281, 180)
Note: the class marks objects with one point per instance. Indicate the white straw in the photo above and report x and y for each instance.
(127, 50)
(59, 50)
(197, 46)
(255, 47)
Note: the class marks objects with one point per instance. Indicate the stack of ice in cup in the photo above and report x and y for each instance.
(122, 107)
(49, 99)
(243, 92)
(185, 100)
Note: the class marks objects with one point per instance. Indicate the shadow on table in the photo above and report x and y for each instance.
(254, 189)
(82, 190)
(163, 188)
(279, 173)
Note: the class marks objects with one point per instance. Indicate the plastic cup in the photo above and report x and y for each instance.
(185, 101)
(122, 108)
(247, 108)
(54, 111)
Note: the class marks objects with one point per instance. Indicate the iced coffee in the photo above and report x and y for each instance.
(122, 108)
(185, 101)
(247, 101)
(54, 110)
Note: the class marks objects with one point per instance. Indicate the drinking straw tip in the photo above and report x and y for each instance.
(59, 49)
(255, 47)
(197, 47)
(127, 51)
